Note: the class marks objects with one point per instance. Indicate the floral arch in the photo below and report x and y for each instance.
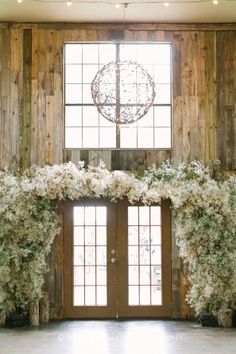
(203, 206)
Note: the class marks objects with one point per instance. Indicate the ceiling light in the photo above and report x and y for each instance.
(118, 102)
(166, 4)
(69, 3)
(117, 6)
(19, 1)
(215, 2)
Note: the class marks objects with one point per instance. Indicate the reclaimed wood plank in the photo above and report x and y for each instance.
(57, 311)
(41, 119)
(58, 96)
(126, 26)
(58, 118)
(1, 91)
(15, 119)
(96, 156)
(210, 151)
(129, 160)
(50, 126)
(26, 118)
(5, 124)
(226, 108)
(16, 99)
(158, 157)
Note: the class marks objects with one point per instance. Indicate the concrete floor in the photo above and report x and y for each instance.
(118, 337)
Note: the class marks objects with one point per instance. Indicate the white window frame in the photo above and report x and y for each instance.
(120, 132)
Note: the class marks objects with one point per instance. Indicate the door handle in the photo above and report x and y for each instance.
(114, 256)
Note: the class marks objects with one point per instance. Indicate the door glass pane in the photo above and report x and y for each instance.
(101, 215)
(144, 215)
(133, 255)
(133, 295)
(144, 235)
(133, 275)
(144, 256)
(156, 235)
(78, 215)
(101, 255)
(101, 235)
(78, 255)
(89, 213)
(156, 295)
(155, 215)
(101, 296)
(79, 276)
(156, 275)
(90, 235)
(90, 275)
(133, 235)
(144, 275)
(101, 275)
(78, 296)
(145, 298)
(90, 256)
(90, 296)
(78, 235)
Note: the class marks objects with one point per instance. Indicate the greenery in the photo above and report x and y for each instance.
(203, 206)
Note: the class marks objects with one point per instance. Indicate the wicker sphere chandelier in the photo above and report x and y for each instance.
(123, 91)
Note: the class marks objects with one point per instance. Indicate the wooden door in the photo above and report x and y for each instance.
(117, 260)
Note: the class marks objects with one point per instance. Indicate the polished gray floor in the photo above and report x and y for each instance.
(118, 337)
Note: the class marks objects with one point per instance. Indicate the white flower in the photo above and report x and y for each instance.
(204, 210)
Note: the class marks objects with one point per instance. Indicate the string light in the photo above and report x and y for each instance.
(131, 2)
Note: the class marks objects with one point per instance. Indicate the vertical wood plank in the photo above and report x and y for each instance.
(210, 96)
(58, 97)
(41, 119)
(58, 257)
(49, 130)
(26, 124)
(1, 94)
(16, 99)
(226, 94)
(34, 97)
(5, 121)
(96, 156)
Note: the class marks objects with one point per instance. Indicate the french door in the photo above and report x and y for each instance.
(117, 260)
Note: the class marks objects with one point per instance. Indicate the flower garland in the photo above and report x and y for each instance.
(203, 204)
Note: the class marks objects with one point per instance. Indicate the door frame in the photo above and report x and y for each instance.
(117, 272)
(164, 310)
(71, 311)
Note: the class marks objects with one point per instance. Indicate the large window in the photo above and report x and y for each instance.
(85, 128)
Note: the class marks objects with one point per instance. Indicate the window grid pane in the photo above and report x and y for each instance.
(144, 256)
(82, 61)
(90, 256)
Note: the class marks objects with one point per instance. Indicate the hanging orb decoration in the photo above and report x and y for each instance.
(123, 91)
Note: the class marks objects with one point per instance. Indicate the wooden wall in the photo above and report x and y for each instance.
(31, 106)
(31, 93)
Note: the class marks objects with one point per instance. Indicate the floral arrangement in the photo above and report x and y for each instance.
(203, 205)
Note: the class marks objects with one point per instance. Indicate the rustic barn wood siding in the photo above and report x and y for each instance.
(226, 98)
(31, 93)
(31, 108)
